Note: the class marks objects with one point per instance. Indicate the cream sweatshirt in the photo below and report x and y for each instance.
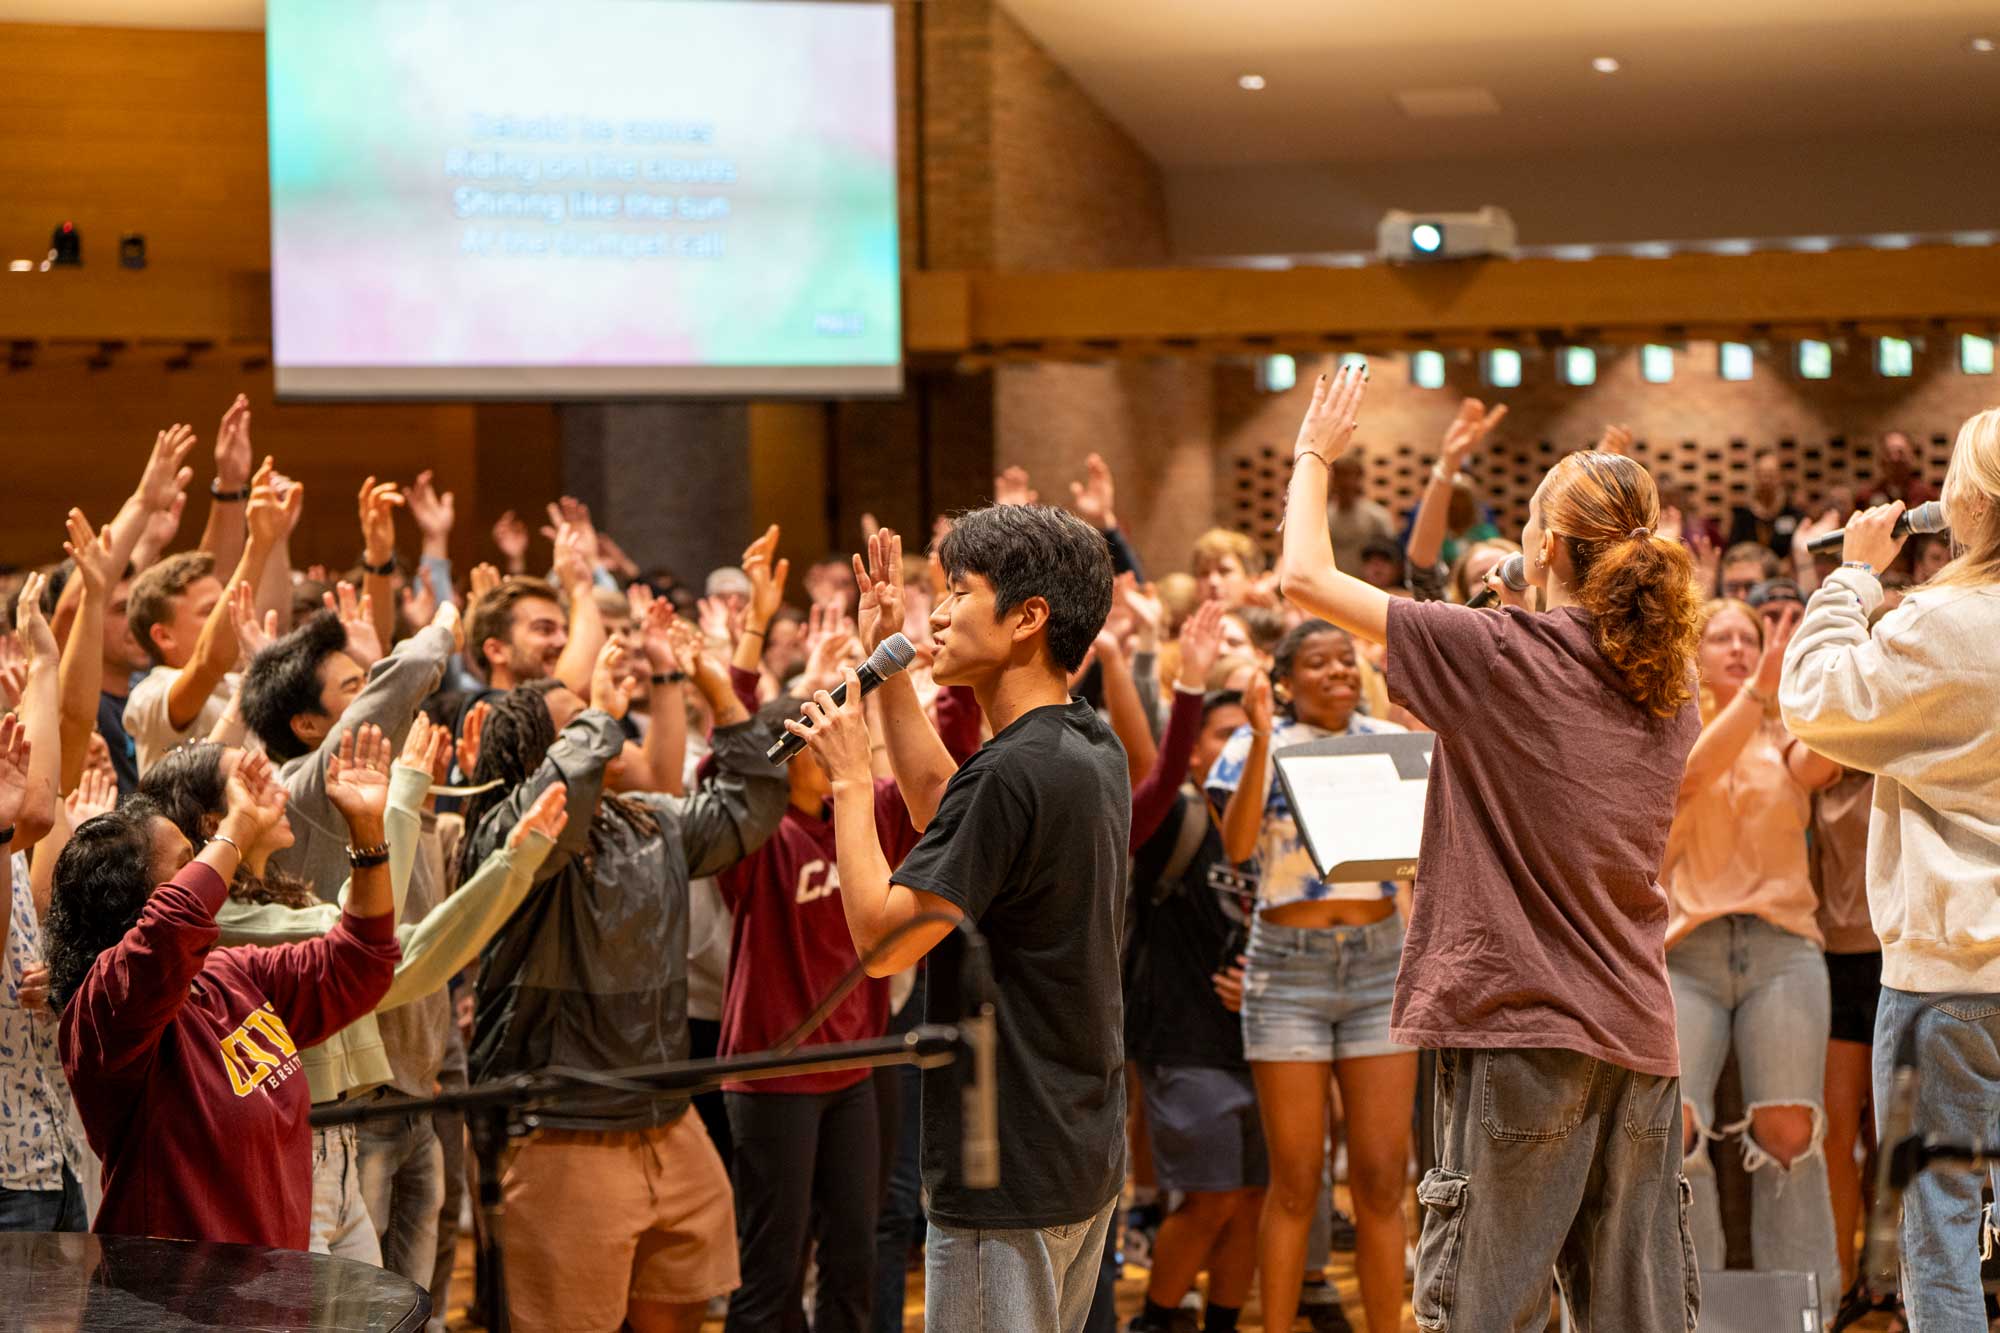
(1917, 703)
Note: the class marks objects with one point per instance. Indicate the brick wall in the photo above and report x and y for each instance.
(1699, 428)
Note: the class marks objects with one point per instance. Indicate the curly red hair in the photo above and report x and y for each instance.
(1638, 588)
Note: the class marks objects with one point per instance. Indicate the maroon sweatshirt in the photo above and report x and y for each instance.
(184, 1061)
(788, 941)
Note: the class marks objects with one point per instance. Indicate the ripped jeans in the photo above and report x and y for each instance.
(1743, 981)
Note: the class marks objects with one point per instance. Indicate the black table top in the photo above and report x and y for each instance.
(57, 1283)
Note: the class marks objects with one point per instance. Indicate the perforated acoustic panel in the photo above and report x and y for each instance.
(1700, 432)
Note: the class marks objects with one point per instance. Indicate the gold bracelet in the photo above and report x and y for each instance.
(1325, 462)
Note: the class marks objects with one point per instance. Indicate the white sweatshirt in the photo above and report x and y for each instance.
(1918, 704)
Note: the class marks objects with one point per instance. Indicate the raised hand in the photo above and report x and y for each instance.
(830, 646)
(15, 752)
(469, 734)
(767, 573)
(1672, 526)
(1141, 601)
(837, 733)
(1617, 439)
(253, 635)
(1258, 704)
(92, 553)
(447, 615)
(32, 626)
(1201, 644)
(254, 799)
(428, 748)
(1011, 488)
(232, 446)
(96, 794)
(1469, 429)
(613, 557)
(510, 535)
(715, 622)
(547, 816)
(357, 776)
(377, 505)
(272, 514)
(575, 559)
(418, 601)
(485, 578)
(1328, 428)
(162, 526)
(1777, 637)
(1813, 529)
(881, 582)
(166, 475)
(357, 616)
(1091, 498)
(657, 623)
(434, 513)
(608, 689)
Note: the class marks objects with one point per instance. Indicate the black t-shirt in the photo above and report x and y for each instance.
(1746, 525)
(1029, 842)
(1183, 931)
(124, 758)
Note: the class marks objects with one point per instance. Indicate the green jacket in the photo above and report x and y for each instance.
(434, 949)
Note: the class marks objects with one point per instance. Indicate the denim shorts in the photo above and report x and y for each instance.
(1320, 994)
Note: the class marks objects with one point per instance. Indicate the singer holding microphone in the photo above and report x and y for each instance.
(1535, 960)
(1916, 701)
(1028, 839)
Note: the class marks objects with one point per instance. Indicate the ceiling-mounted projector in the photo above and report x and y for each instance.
(1403, 235)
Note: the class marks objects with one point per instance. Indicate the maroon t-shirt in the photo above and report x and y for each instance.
(184, 1060)
(1538, 919)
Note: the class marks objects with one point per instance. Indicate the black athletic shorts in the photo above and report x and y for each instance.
(1856, 980)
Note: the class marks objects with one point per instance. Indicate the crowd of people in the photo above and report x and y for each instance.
(403, 827)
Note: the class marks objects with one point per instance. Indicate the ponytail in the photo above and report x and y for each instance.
(1638, 588)
(1646, 618)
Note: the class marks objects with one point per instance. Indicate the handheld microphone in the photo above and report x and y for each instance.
(1513, 573)
(892, 658)
(1924, 518)
(979, 1095)
(1897, 1160)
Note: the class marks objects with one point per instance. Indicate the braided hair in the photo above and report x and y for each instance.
(515, 741)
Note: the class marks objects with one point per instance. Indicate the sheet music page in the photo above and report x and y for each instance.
(1356, 807)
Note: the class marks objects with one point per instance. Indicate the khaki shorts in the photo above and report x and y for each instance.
(596, 1221)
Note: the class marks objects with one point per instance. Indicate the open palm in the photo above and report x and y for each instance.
(357, 775)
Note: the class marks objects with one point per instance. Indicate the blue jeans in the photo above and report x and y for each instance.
(1742, 981)
(44, 1210)
(1958, 1101)
(1041, 1278)
(402, 1184)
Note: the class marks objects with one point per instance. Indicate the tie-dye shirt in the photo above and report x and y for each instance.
(1284, 867)
(34, 1099)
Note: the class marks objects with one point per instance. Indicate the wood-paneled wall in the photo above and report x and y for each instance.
(162, 133)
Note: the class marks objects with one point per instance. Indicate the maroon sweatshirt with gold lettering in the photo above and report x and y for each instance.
(184, 1061)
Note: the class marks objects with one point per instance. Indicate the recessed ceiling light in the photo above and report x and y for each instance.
(1605, 64)
(1982, 45)
(1250, 83)
(21, 266)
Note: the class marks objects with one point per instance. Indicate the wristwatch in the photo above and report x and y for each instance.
(669, 677)
(215, 489)
(383, 570)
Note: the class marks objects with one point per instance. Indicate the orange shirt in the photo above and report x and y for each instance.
(1739, 845)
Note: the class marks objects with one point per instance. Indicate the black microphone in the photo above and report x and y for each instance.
(1924, 518)
(1513, 573)
(979, 1095)
(892, 658)
(1897, 1160)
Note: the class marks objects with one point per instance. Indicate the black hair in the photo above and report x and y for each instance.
(1288, 647)
(518, 733)
(102, 881)
(1037, 551)
(283, 683)
(1216, 700)
(185, 784)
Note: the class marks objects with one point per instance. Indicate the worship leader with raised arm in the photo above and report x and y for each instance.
(1535, 960)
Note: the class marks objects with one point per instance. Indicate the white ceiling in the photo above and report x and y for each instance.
(1693, 71)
